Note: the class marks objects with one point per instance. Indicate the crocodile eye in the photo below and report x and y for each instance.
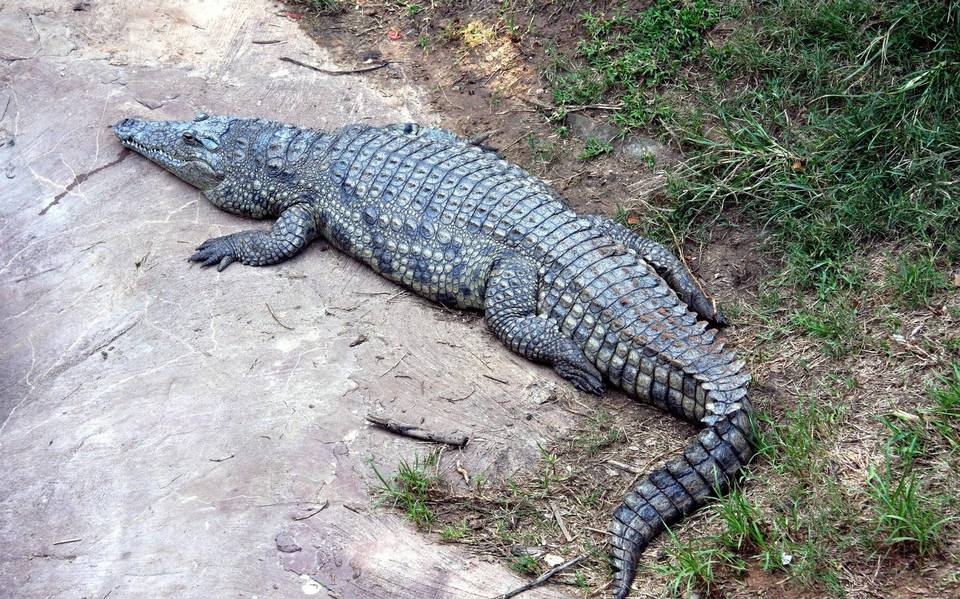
(189, 137)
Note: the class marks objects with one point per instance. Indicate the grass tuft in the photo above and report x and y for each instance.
(525, 565)
(916, 280)
(408, 488)
(692, 567)
(903, 514)
(594, 148)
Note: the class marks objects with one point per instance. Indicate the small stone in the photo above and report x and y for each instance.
(646, 151)
(585, 127)
(309, 586)
(553, 560)
(286, 543)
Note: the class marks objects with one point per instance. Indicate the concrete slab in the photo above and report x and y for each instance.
(162, 432)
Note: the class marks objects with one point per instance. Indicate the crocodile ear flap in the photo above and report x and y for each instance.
(201, 116)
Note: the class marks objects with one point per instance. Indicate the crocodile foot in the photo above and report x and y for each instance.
(581, 373)
(218, 250)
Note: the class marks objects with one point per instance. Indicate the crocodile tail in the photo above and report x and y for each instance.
(681, 486)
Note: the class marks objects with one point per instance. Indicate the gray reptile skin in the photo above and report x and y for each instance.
(461, 226)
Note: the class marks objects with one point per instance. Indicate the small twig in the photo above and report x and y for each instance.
(593, 107)
(543, 578)
(409, 430)
(395, 364)
(624, 467)
(64, 542)
(560, 523)
(332, 72)
(265, 42)
(218, 460)
(269, 309)
(459, 399)
(314, 512)
(493, 378)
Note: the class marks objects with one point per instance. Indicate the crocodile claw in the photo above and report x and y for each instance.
(218, 250)
(707, 308)
(582, 374)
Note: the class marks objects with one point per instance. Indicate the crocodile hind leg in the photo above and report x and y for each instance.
(296, 227)
(667, 266)
(510, 309)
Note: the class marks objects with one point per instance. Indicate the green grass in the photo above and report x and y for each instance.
(910, 510)
(832, 123)
(525, 565)
(626, 55)
(794, 444)
(594, 148)
(692, 566)
(454, 532)
(916, 281)
(945, 413)
(833, 322)
(904, 514)
(408, 488)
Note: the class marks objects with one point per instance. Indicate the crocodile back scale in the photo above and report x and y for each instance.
(459, 225)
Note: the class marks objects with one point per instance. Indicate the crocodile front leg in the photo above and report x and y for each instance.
(667, 266)
(296, 227)
(510, 307)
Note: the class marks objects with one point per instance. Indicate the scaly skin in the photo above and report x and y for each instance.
(460, 226)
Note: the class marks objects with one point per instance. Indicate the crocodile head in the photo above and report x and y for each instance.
(190, 150)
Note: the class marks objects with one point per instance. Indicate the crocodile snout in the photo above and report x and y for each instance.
(127, 128)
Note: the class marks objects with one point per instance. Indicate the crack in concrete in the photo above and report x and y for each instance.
(79, 179)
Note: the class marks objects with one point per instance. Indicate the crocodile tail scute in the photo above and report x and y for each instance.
(682, 485)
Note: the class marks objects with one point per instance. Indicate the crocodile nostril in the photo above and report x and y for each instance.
(125, 127)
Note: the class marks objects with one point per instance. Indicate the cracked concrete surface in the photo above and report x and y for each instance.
(160, 430)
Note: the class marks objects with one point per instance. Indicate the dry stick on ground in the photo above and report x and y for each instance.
(454, 439)
(624, 467)
(543, 578)
(313, 512)
(331, 72)
(279, 322)
(560, 523)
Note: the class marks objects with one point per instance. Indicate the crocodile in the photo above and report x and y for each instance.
(459, 225)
